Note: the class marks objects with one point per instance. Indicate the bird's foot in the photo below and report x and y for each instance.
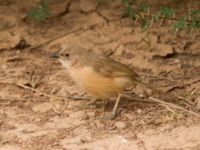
(88, 105)
(109, 116)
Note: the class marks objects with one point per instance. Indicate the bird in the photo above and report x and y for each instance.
(100, 76)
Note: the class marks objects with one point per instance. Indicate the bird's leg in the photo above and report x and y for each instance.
(91, 102)
(113, 114)
(104, 105)
(114, 111)
(88, 104)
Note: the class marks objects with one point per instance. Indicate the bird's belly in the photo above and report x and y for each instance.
(102, 87)
(96, 84)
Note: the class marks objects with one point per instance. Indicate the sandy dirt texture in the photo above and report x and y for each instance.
(31, 120)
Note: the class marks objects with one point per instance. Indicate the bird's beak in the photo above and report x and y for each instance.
(55, 55)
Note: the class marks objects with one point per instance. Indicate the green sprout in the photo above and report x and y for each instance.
(186, 21)
(194, 16)
(41, 12)
(128, 11)
(167, 12)
(180, 24)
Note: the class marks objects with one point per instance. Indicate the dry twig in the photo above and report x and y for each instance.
(168, 105)
(174, 106)
(46, 94)
(51, 96)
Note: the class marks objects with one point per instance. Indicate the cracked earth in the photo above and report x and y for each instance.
(31, 120)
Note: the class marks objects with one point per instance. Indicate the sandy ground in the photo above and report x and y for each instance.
(35, 121)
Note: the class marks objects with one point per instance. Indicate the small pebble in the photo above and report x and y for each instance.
(43, 107)
(139, 111)
(120, 124)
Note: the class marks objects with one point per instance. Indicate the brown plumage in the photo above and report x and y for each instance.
(100, 76)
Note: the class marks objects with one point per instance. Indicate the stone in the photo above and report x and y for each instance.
(42, 108)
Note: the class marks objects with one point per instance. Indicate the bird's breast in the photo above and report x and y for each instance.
(96, 84)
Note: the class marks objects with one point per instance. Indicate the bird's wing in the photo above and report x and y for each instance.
(111, 68)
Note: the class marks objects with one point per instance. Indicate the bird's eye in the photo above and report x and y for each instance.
(66, 55)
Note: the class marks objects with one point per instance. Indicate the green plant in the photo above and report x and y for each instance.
(41, 12)
(128, 11)
(190, 20)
